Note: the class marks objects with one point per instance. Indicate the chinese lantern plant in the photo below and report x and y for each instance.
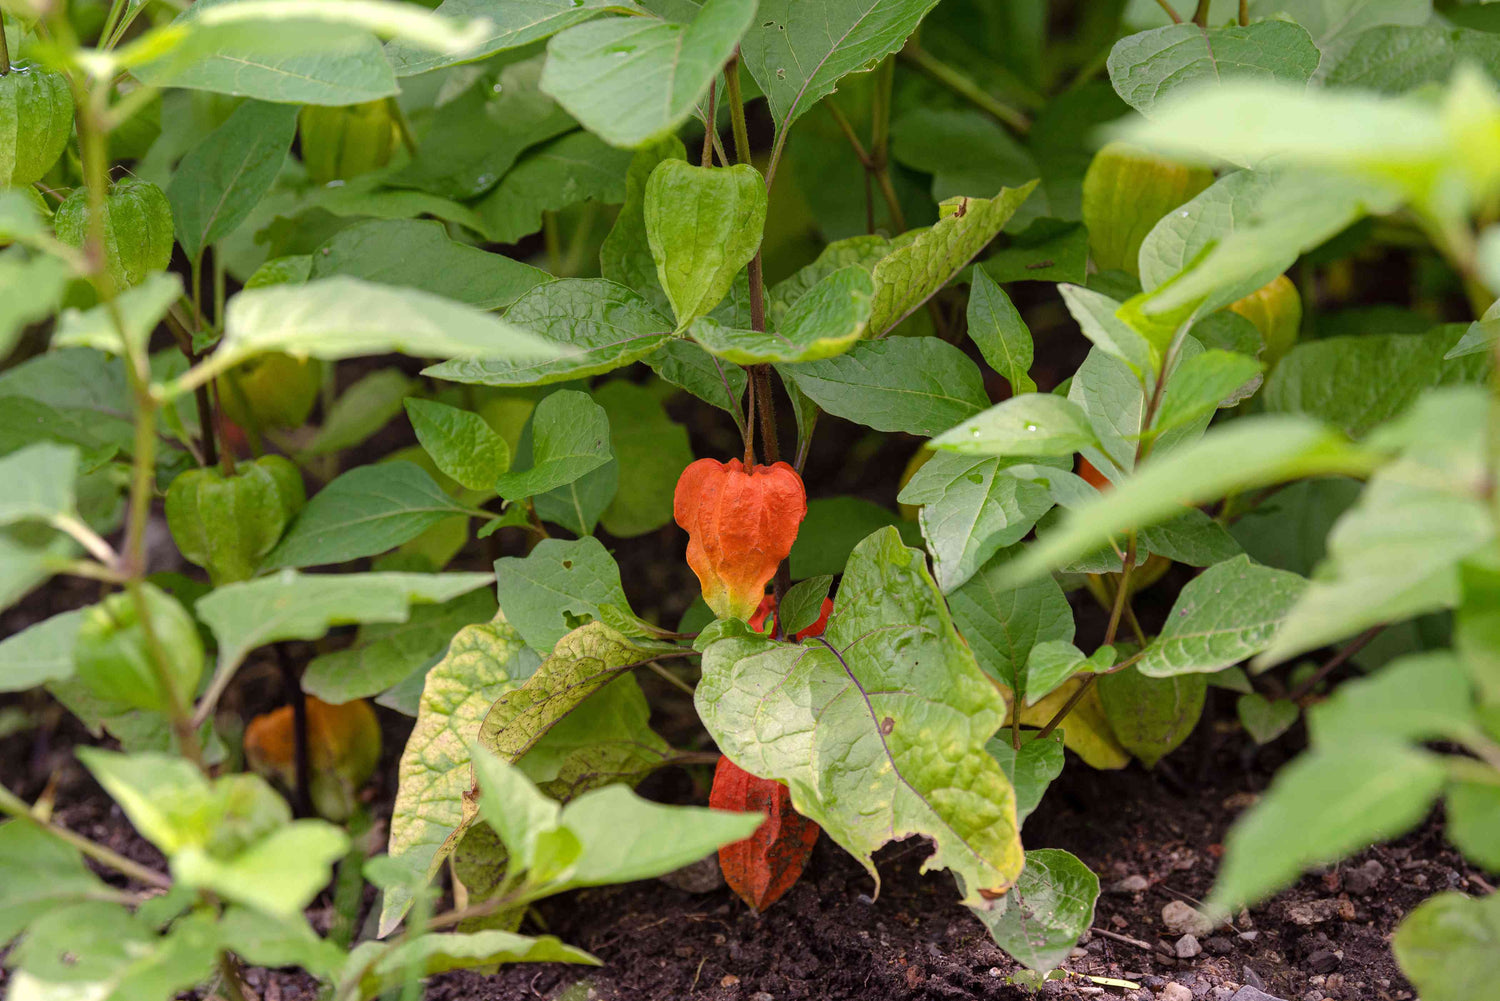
(623, 335)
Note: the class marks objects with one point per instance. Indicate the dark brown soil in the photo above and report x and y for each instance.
(828, 940)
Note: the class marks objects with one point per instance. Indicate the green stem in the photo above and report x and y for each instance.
(1171, 12)
(178, 710)
(1200, 16)
(403, 126)
(1244, 13)
(742, 155)
(553, 242)
(710, 122)
(111, 22)
(964, 87)
(4, 50)
(16, 807)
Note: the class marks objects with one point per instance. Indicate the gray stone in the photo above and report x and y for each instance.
(1365, 878)
(1187, 947)
(1248, 993)
(1175, 992)
(1182, 918)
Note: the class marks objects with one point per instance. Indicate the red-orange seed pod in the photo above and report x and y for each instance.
(740, 527)
(768, 863)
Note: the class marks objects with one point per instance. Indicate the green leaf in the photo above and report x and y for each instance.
(1046, 912)
(652, 451)
(1473, 816)
(1393, 59)
(1226, 614)
(31, 288)
(362, 410)
(1152, 716)
(224, 176)
(42, 874)
(365, 512)
(139, 308)
(576, 168)
(620, 837)
(37, 483)
(509, 25)
(630, 80)
(292, 606)
(461, 443)
(101, 950)
(802, 605)
(996, 327)
(1031, 768)
(1243, 231)
(290, 51)
(384, 653)
(1250, 452)
(703, 224)
(596, 326)
(1148, 67)
(579, 505)
(559, 586)
(280, 874)
(582, 664)
(417, 253)
(262, 940)
(833, 527)
(1393, 555)
(39, 653)
(1053, 662)
(1002, 624)
(1049, 250)
(920, 385)
(439, 952)
(1419, 697)
(966, 152)
(341, 317)
(570, 437)
(1192, 538)
(857, 712)
(688, 367)
(862, 251)
(1032, 424)
(825, 322)
(474, 139)
(1096, 316)
(1337, 800)
(916, 269)
(1355, 383)
(971, 509)
(1289, 529)
(1263, 719)
(1202, 384)
(482, 663)
(798, 54)
(1450, 946)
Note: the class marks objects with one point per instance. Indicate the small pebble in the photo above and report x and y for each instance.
(1182, 918)
(1324, 961)
(1248, 993)
(1365, 878)
(729, 980)
(1187, 947)
(1312, 912)
(1131, 884)
(1175, 992)
(761, 996)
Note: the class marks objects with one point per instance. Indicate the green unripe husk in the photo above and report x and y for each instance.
(36, 119)
(1126, 192)
(340, 143)
(227, 524)
(137, 229)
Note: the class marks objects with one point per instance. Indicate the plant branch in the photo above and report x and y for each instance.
(1244, 13)
(16, 807)
(4, 51)
(964, 87)
(742, 155)
(87, 538)
(1349, 649)
(1200, 16)
(292, 691)
(1172, 13)
(710, 123)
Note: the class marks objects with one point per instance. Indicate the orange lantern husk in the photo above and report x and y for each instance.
(740, 526)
